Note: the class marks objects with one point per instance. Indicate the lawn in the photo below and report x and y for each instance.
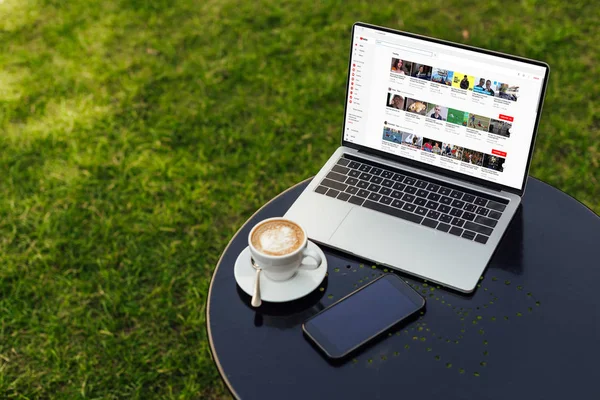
(137, 136)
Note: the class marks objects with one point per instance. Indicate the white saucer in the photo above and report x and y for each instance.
(301, 284)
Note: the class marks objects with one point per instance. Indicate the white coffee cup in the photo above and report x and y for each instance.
(282, 265)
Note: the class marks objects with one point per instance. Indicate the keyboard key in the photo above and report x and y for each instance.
(362, 184)
(364, 168)
(351, 189)
(332, 193)
(482, 211)
(374, 188)
(393, 211)
(376, 179)
(397, 203)
(396, 194)
(456, 231)
(445, 218)
(343, 196)
(444, 209)
(343, 161)
(445, 191)
(399, 186)
(374, 197)
(458, 203)
(458, 222)
(410, 189)
(456, 212)
(351, 181)
(333, 184)
(336, 177)
(469, 235)
(470, 207)
(354, 165)
(446, 200)
(486, 221)
(456, 194)
(354, 173)
(433, 214)
(480, 201)
(387, 183)
(429, 222)
(398, 178)
(386, 200)
(468, 198)
(433, 196)
(433, 187)
(468, 216)
(432, 205)
(341, 170)
(365, 177)
(421, 210)
(409, 181)
(478, 228)
(421, 184)
(408, 197)
(356, 200)
(420, 201)
(385, 191)
(495, 214)
(496, 206)
(422, 193)
(376, 171)
(387, 174)
(443, 227)
(321, 189)
(363, 193)
(409, 207)
(481, 239)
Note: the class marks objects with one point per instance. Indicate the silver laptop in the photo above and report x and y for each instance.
(436, 146)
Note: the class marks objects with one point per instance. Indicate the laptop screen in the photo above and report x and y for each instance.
(457, 109)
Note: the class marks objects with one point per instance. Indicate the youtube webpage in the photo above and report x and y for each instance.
(448, 107)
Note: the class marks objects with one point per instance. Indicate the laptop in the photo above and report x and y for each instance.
(436, 145)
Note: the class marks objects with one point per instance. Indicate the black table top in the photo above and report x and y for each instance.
(530, 330)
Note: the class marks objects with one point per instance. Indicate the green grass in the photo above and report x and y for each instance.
(136, 137)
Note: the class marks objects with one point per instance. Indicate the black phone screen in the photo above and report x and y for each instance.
(362, 315)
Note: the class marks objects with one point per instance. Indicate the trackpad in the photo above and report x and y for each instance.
(378, 236)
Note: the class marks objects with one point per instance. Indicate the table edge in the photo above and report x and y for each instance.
(208, 331)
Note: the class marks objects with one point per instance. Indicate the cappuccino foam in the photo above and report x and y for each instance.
(277, 238)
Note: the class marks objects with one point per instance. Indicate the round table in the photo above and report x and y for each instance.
(531, 329)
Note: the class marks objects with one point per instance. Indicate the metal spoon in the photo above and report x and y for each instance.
(256, 301)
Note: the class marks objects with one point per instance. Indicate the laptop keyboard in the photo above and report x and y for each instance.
(472, 215)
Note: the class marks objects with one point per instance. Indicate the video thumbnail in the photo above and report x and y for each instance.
(416, 106)
(436, 111)
(499, 127)
(483, 86)
(412, 140)
(421, 71)
(452, 151)
(505, 91)
(478, 122)
(395, 101)
(463, 81)
(442, 76)
(472, 157)
(401, 67)
(457, 117)
(432, 146)
(392, 135)
(493, 162)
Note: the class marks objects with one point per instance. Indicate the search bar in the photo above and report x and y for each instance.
(405, 48)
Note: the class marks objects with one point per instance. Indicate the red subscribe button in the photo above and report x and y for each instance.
(506, 118)
(499, 153)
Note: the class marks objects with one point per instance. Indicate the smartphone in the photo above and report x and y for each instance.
(362, 316)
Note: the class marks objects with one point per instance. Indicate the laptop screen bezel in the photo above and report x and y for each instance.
(439, 170)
